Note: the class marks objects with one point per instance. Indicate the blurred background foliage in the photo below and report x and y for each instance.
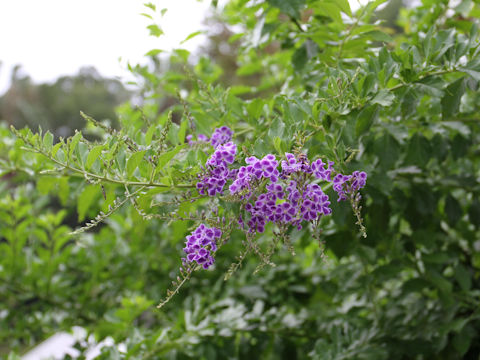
(55, 106)
(397, 98)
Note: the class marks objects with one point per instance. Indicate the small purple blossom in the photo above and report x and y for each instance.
(319, 171)
(338, 185)
(201, 244)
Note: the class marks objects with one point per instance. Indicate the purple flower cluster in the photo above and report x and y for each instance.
(291, 196)
(350, 184)
(293, 165)
(217, 172)
(286, 204)
(221, 136)
(201, 244)
(256, 169)
(319, 171)
(286, 197)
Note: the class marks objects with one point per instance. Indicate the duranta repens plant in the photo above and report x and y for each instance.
(348, 138)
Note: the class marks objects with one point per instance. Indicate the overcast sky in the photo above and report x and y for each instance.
(50, 38)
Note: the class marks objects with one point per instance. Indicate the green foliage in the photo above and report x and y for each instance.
(330, 83)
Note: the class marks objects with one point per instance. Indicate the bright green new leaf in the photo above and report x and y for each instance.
(92, 156)
(88, 195)
(133, 162)
(191, 36)
(165, 158)
(155, 30)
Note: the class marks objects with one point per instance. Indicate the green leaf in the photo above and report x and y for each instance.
(151, 6)
(462, 341)
(289, 7)
(276, 129)
(48, 140)
(378, 35)
(474, 213)
(453, 210)
(300, 58)
(81, 152)
(93, 155)
(46, 183)
(344, 5)
(463, 277)
(365, 119)
(182, 131)
(331, 10)
(154, 52)
(440, 282)
(192, 35)
(388, 150)
(63, 190)
(73, 143)
(56, 147)
(155, 30)
(89, 193)
(473, 73)
(451, 99)
(134, 161)
(383, 98)
(418, 152)
(165, 158)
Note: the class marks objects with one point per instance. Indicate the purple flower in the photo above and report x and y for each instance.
(338, 185)
(285, 212)
(358, 180)
(217, 174)
(349, 184)
(276, 190)
(201, 244)
(290, 165)
(315, 203)
(319, 171)
(255, 169)
(293, 193)
(220, 136)
(223, 155)
(200, 139)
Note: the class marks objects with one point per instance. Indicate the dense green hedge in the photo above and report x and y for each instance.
(402, 106)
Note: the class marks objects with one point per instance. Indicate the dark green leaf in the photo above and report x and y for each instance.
(452, 97)
(453, 210)
(365, 119)
(289, 7)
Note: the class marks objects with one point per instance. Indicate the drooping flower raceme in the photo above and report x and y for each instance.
(201, 244)
(349, 184)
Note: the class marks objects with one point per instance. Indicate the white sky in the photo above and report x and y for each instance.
(51, 38)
